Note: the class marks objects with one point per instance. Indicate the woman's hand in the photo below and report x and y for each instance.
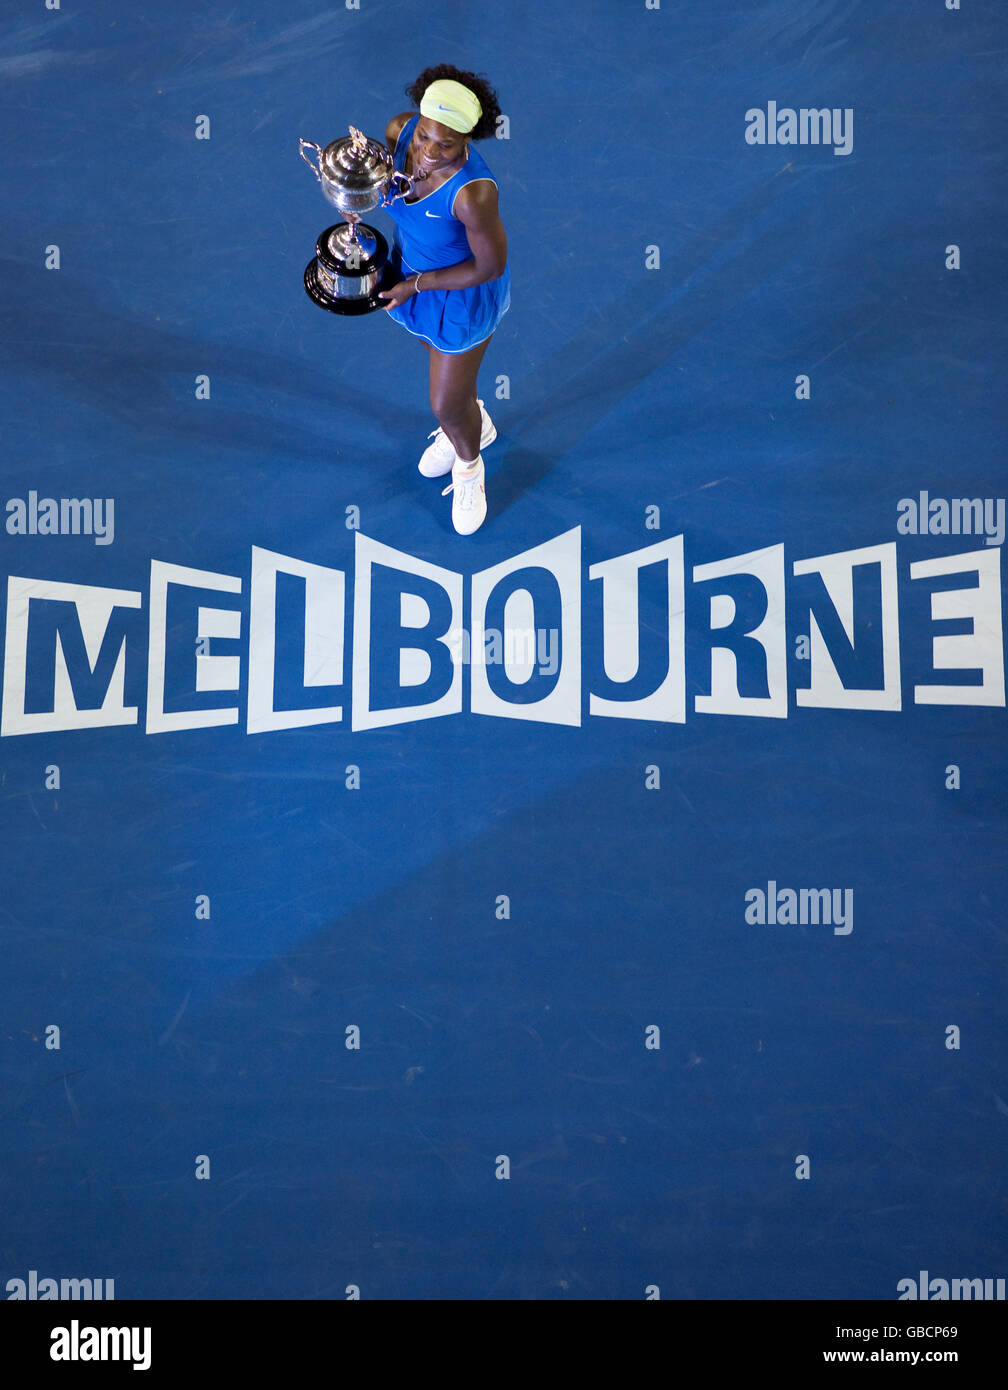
(398, 294)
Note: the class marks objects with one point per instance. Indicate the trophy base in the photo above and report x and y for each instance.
(364, 304)
(350, 270)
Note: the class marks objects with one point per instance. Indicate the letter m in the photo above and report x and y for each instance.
(64, 666)
(816, 127)
(74, 1288)
(815, 906)
(966, 1288)
(72, 516)
(966, 516)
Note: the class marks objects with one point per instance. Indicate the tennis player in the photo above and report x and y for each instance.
(451, 251)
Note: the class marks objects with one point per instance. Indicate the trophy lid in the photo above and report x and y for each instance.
(355, 162)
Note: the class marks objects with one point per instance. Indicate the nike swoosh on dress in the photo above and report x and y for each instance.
(431, 214)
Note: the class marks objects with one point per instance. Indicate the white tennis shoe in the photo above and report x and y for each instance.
(469, 506)
(439, 458)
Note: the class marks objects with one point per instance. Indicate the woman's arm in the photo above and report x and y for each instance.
(476, 208)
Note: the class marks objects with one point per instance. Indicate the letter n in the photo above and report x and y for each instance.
(827, 690)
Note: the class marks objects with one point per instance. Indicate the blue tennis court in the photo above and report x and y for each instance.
(605, 905)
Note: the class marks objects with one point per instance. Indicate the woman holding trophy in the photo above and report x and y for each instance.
(450, 249)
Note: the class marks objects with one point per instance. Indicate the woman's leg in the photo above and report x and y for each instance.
(453, 397)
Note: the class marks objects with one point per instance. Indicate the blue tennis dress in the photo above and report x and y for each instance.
(429, 237)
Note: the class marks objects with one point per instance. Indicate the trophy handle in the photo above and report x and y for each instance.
(402, 192)
(311, 145)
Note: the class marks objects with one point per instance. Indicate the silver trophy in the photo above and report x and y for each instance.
(351, 266)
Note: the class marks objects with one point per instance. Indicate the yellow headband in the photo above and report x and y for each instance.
(451, 104)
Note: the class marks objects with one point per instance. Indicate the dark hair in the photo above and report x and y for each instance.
(485, 95)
